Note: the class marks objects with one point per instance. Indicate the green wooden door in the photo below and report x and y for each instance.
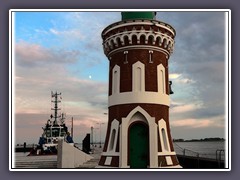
(139, 146)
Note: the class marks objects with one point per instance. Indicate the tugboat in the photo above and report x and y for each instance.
(54, 130)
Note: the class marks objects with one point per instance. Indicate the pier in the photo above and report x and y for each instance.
(50, 162)
(71, 157)
(40, 162)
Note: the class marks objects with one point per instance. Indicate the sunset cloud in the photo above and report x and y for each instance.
(200, 123)
(194, 123)
(65, 49)
(174, 76)
(182, 108)
(37, 55)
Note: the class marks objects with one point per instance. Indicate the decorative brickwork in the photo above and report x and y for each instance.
(138, 53)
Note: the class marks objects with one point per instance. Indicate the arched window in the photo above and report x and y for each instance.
(165, 142)
(142, 39)
(125, 57)
(112, 143)
(134, 39)
(126, 41)
(119, 41)
(112, 44)
(115, 79)
(162, 128)
(150, 39)
(138, 77)
(165, 43)
(112, 140)
(161, 79)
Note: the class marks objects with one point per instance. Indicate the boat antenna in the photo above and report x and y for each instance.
(55, 108)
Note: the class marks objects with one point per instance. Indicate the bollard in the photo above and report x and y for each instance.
(24, 147)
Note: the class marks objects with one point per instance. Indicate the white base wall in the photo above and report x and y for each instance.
(70, 157)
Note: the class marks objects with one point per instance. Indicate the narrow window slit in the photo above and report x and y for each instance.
(150, 56)
(125, 57)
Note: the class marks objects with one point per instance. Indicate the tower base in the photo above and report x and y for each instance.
(166, 167)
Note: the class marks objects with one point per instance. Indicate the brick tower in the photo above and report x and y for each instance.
(138, 133)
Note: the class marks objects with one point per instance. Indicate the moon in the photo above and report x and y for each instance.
(90, 77)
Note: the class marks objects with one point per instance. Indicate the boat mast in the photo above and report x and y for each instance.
(55, 101)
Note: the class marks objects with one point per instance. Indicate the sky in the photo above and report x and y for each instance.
(62, 51)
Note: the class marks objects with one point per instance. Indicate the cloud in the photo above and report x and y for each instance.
(41, 31)
(216, 121)
(79, 96)
(57, 57)
(40, 70)
(30, 54)
(183, 108)
(199, 57)
(174, 76)
(182, 80)
(68, 34)
(192, 123)
(91, 25)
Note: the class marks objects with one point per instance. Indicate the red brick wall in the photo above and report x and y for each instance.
(134, 56)
(151, 83)
(154, 110)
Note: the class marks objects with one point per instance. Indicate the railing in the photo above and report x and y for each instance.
(219, 154)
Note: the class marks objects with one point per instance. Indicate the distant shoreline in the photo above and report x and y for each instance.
(200, 140)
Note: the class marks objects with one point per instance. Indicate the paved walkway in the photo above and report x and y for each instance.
(50, 162)
(39, 162)
(96, 154)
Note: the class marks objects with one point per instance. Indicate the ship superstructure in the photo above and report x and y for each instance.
(54, 130)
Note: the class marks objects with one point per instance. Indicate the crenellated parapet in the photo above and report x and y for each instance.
(151, 34)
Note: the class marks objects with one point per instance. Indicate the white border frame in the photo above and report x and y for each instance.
(227, 88)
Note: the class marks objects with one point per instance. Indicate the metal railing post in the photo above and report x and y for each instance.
(198, 160)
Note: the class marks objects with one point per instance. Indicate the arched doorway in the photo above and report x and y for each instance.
(138, 145)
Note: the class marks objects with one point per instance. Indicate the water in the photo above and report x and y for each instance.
(202, 149)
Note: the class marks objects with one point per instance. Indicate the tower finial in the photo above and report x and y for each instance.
(138, 15)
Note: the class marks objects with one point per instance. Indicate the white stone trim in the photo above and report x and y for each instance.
(161, 79)
(150, 56)
(169, 160)
(139, 97)
(125, 57)
(113, 40)
(122, 162)
(138, 82)
(126, 122)
(156, 23)
(116, 81)
(177, 166)
(162, 125)
(128, 48)
(105, 167)
(110, 153)
(166, 153)
(114, 126)
(118, 39)
(108, 161)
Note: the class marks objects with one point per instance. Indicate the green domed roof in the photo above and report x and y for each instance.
(138, 15)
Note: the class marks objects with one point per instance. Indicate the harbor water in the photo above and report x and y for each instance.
(205, 149)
